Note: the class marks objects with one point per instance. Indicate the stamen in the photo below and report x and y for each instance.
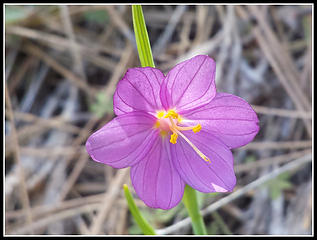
(160, 114)
(183, 128)
(174, 126)
(171, 113)
(174, 137)
(197, 128)
(203, 156)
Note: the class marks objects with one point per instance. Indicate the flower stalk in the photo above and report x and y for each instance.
(191, 204)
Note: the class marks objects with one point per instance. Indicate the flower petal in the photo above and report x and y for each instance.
(229, 118)
(138, 91)
(123, 141)
(215, 176)
(155, 180)
(189, 84)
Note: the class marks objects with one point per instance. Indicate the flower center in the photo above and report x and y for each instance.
(168, 121)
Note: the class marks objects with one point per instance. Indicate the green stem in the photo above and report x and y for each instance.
(140, 220)
(141, 37)
(191, 204)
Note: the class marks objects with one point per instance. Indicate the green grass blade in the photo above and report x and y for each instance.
(143, 224)
(141, 37)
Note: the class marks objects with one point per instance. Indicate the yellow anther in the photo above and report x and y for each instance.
(197, 128)
(174, 137)
(206, 159)
(160, 114)
(172, 113)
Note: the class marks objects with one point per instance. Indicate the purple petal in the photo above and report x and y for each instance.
(229, 118)
(216, 176)
(155, 180)
(123, 141)
(189, 84)
(138, 91)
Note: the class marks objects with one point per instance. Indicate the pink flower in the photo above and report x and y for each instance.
(174, 130)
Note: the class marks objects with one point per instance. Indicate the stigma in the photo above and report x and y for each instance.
(168, 122)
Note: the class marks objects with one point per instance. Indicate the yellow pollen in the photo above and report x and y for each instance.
(197, 128)
(174, 137)
(160, 114)
(171, 113)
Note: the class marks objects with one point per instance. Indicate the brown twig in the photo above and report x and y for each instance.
(112, 193)
(276, 145)
(120, 23)
(23, 189)
(60, 42)
(52, 219)
(32, 49)
(282, 112)
(271, 160)
(282, 56)
(57, 122)
(18, 76)
(76, 55)
(276, 61)
(82, 160)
